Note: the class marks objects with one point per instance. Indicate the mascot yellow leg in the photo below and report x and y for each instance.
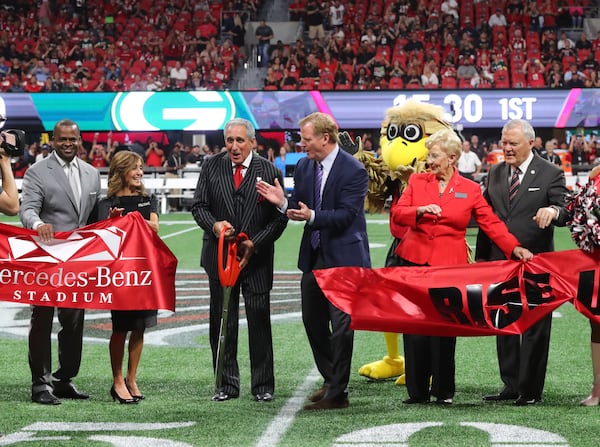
(392, 365)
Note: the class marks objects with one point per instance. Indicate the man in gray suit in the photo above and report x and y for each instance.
(60, 193)
(528, 194)
(219, 204)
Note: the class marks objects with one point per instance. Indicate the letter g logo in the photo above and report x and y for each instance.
(152, 111)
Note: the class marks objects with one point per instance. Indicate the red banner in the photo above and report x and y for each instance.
(488, 298)
(115, 264)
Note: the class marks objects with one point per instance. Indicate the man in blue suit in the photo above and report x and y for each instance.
(335, 235)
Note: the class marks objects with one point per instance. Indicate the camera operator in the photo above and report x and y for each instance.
(9, 195)
(579, 149)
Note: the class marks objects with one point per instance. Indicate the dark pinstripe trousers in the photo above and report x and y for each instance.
(258, 315)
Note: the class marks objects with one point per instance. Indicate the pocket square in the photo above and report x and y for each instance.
(533, 189)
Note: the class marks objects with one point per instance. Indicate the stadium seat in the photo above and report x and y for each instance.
(501, 79)
(518, 80)
(343, 87)
(464, 83)
(396, 83)
(484, 83)
(582, 54)
(449, 83)
(307, 83)
(326, 84)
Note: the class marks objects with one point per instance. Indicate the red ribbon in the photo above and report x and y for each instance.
(488, 298)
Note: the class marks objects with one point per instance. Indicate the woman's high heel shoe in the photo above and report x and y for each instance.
(594, 398)
(140, 397)
(121, 400)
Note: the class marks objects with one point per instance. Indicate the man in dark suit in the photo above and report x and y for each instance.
(335, 235)
(538, 204)
(60, 193)
(218, 204)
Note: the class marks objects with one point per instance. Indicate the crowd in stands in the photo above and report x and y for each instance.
(578, 152)
(395, 44)
(112, 45)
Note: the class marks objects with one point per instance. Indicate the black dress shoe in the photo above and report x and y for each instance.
(45, 398)
(222, 396)
(502, 395)
(411, 401)
(263, 397)
(68, 391)
(329, 404)
(524, 401)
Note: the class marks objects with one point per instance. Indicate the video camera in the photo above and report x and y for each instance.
(12, 141)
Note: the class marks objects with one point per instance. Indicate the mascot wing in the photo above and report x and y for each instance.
(376, 169)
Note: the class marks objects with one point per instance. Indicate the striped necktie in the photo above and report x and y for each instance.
(514, 184)
(315, 236)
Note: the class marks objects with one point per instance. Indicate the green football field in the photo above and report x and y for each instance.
(177, 379)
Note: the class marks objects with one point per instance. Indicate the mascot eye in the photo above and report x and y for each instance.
(392, 131)
(412, 132)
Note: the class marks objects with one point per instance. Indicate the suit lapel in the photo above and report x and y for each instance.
(224, 180)
(432, 189)
(453, 186)
(88, 200)
(58, 173)
(502, 183)
(528, 177)
(248, 189)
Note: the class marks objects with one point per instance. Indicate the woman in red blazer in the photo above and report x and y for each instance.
(437, 207)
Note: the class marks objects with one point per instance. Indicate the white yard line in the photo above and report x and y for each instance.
(284, 419)
(178, 233)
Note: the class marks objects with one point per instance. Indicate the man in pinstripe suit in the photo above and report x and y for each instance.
(219, 204)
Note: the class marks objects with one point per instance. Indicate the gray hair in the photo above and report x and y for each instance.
(525, 127)
(447, 140)
(250, 132)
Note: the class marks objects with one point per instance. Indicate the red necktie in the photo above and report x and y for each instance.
(237, 176)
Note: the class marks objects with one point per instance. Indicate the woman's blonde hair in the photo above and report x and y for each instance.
(447, 140)
(121, 163)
